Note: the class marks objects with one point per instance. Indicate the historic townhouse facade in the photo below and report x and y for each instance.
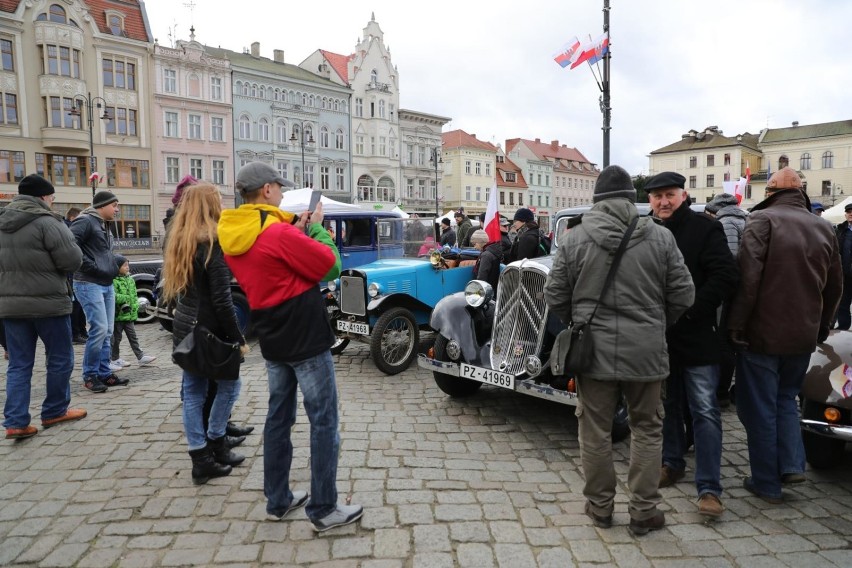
(470, 172)
(61, 60)
(192, 121)
(291, 118)
(421, 161)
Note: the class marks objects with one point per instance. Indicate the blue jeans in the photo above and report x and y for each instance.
(767, 387)
(695, 386)
(194, 395)
(315, 377)
(21, 338)
(99, 306)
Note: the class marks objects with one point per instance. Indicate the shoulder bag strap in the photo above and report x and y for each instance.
(615, 260)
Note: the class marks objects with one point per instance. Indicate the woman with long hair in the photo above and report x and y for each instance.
(196, 276)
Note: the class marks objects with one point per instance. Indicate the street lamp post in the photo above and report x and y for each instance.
(436, 159)
(91, 103)
(302, 143)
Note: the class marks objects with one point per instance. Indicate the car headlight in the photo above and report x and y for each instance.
(373, 290)
(332, 285)
(478, 292)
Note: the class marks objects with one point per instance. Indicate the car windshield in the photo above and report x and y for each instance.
(408, 238)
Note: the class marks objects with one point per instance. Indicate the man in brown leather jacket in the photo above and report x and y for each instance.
(791, 282)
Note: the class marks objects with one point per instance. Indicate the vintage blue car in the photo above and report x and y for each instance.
(388, 302)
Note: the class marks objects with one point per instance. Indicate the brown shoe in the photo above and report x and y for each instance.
(654, 523)
(21, 433)
(710, 506)
(793, 478)
(669, 476)
(70, 415)
(598, 520)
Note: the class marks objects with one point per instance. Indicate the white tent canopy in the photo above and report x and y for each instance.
(297, 201)
(836, 214)
(401, 212)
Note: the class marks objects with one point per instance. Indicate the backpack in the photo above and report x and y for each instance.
(544, 244)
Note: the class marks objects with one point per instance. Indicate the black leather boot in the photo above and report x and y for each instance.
(204, 466)
(234, 441)
(223, 454)
(234, 430)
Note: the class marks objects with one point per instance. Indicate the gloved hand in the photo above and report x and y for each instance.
(738, 339)
(822, 335)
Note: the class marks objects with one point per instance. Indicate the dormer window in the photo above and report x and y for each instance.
(116, 25)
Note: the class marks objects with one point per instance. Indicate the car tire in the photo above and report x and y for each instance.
(456, 387)
(620, 423)
(339, 345)
(393, 345)
(821, 452)
(145, 291)
(243, 312)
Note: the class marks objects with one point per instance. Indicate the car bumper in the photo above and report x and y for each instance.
(837, 431)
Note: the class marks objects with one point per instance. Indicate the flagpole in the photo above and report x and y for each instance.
(605, 103)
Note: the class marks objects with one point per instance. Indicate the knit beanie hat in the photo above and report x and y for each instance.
(119, 261)
(720, 201)
(525, 215)
(445, 221)
(35, 186)
(184, 183)
(103, 198)
(614, 181)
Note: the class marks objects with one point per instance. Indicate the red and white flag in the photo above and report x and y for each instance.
(492, 217)
(740, 187)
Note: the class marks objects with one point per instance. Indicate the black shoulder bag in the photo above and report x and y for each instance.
(573, 348)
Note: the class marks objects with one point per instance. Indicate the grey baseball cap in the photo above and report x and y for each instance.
(255, 175)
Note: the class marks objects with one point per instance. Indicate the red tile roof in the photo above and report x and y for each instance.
(461, 139)
(508, 165)
(9, 5)
(543, 150)
(340, 63)
(134, 19)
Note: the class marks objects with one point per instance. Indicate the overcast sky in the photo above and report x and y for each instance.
(677, 65)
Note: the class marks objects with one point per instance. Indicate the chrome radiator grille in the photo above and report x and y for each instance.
(519, 319)
(353, 299)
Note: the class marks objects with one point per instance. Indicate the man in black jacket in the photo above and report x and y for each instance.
(844, 238)
(93, 288)
(693, 342)
(528, 239)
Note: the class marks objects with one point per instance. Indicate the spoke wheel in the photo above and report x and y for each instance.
(393, 345)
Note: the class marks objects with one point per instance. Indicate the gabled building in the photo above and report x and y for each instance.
(421, 161)
(75, 94)
(512, 187)
(470, 172)
(707, 159)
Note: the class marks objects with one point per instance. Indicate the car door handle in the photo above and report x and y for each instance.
(345, 255)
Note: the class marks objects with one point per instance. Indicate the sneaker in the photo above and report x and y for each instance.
(710, 505)
(122, 362)
(299, 500)
(793, 478)
(342, 515)
(638, 528)
(749, 486)
(70, 415)
(146, 359)
(669, 476)
(598, 520)
(94, 384)
(114, 366)
(21, 433)
(113, 380)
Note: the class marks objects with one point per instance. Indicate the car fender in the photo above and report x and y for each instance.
(453, 319)
(143, 278)
(383, 303)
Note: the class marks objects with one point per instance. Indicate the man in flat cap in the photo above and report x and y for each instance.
(280, 267)
(694, 348)
(791, 285)
(37, 251)
(844, 238)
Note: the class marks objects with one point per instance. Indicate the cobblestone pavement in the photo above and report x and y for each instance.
(493, 480)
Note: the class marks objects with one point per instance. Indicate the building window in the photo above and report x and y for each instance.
(263, 130)
(7, 54)
(478, 193)
(59, 113)
(116, 25)
(282, 168)
(217, 129)
(245, 127)
(134, 221)
(372, 145)
(123, 121)
(502, 198)
(339, 175)
(10, 108)
(693, 182)
(338, 139)
(216, 88)
(467, 167)
(521, 199)
(58, 60)
(325, 177)
(127, 173)
(488, 169)
(827, 160)
(511, 198)
(119, 73)
(409, 188)
(169, 81)
(11, 166)
(382, 109)
(727, 159)
(467, 193)
(359, 144)
(805, 161)
(421, 189)
(63, 170)
(194, 123)
(359, 107)
(172, 170)
(510, 177)
(478, 168)
(309, 175)
(383, 146)
(324, 138)
(711, 180)
(711, 160)
(727, 176)
(218, 168)
(693, 162)
(171, 130)
(195, 169)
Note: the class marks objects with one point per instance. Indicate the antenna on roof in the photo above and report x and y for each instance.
(172, 34)
(191, 5)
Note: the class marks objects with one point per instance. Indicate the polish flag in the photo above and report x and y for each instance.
(492, 217)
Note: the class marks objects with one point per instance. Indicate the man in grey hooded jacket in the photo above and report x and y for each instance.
(650, 290)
